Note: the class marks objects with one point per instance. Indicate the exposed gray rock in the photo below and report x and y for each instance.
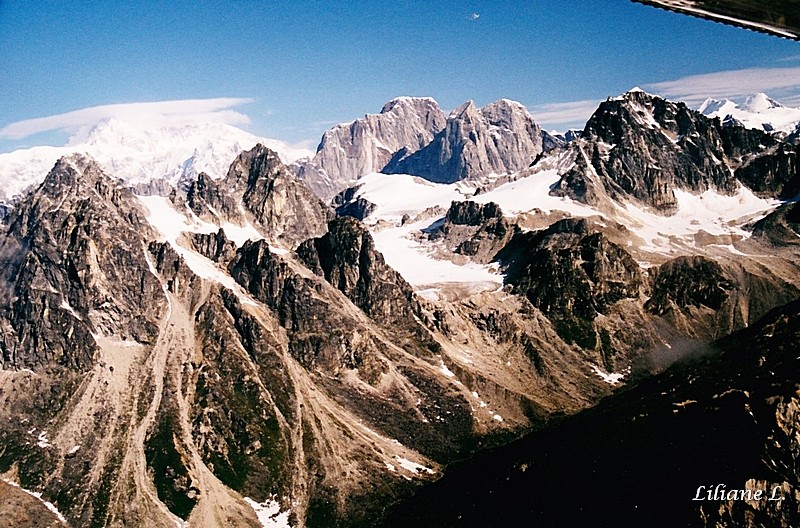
(476, 230)
(347, 258)
(347, 203)
(498, 138)
(640, 147)
(214, 246)
(349, 151)
(688, 281)
(208, 198)
(280, 203)
(69, 252)
(782, 226)
(571, 275)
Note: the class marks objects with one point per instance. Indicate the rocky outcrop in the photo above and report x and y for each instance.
(214, 246)
(69, 251)
(780, 227)
(347, 258)
(643, 147)
(499, 138)
(280, 203)
(688, 281)
(346, 203)
(571, 275)
(209, 198)
(349, 151)
(473, 229)
(775, 174)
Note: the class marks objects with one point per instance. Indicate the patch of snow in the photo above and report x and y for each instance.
(241, 234)
(170, 224)
(395, 195)
(533, 192)
(43, 442)
(413, 467)
(74, 449)
(420, 268)
(269, 513)
(446, 371)
(612, 378)
(714, 213)
(65, 305)
(391, 467)
(49, 505)
(497, 418)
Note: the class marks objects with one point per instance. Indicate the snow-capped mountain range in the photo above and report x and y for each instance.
(190, 336)
(758, 111)
(141, 154)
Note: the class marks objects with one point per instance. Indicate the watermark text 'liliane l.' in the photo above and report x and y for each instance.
(718, 492)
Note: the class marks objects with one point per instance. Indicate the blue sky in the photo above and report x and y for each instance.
(289, 70)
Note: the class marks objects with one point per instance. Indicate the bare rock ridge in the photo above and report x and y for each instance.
(499, 138)
(641, 147)
(412, 135)
(68, 251)
(261, 189)
(347, 258)
(572, 276)
(280, 204)
(348, 151)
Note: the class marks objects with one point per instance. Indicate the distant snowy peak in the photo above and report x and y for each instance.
(141, 154)
(758, 111)
(760, 102)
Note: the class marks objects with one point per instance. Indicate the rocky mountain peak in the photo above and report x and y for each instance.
(254, 164)
(69, 171)
(280, 203)
(641, 147)
(420, 105)
(499, 138)
(351, 150)
(464, 111)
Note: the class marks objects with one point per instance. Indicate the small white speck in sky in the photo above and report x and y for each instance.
(474, 16)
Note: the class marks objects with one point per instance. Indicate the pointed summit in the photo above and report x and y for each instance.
(760, 102)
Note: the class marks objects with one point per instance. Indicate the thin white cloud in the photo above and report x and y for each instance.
(564, 113)
(731, 84)
(176, 112)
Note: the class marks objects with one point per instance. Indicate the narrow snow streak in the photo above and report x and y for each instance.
(49, 505)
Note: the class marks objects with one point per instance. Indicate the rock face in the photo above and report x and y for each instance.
(781, 227)
(640, 147)
(475, 230)
(68, 252)
(499, 138)
(347, 258)
(571, 275)
(349, 151)
(282, 205)
(346, 205)
(688, 281)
